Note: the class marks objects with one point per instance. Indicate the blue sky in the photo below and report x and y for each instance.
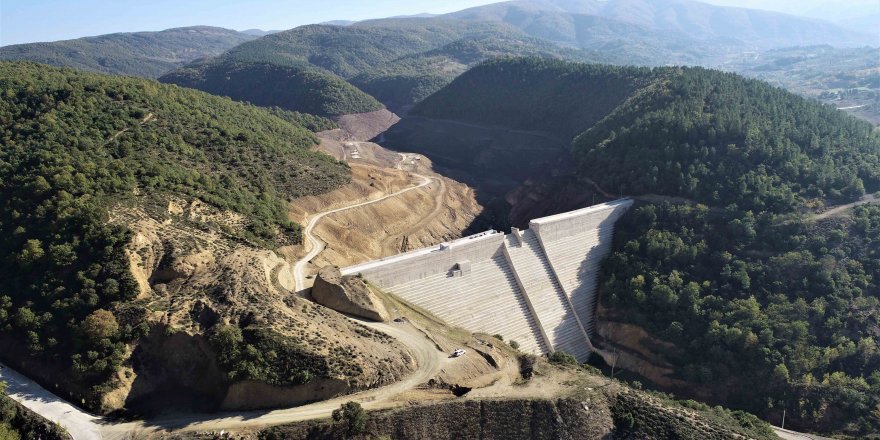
(26, 21)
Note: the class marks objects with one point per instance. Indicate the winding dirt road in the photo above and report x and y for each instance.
(427, 358)
(84, 426)
(317, 245)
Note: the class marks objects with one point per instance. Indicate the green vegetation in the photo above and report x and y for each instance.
(292, 87)
(347, 51)
(352, 417)
(714, 137)
(843, 77)
(17, 422)
(399, 62)
(74, 145)
(145, 54)
(637, 416)
(535, 94)
(719, 139)
(312, 122)
(561, 358)
(786, 306)
(412, 78)
(266, 356)
(771, 310)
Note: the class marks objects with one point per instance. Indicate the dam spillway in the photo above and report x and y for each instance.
(536, 286)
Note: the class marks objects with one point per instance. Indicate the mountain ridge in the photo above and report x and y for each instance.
(147, 54)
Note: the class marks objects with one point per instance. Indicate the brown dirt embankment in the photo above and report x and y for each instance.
(438, 212)
(366, 126)
(349, 295)
(194, 278)
(471, 419)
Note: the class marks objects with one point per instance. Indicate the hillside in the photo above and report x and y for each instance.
(747, 285)
(535, 94)
(412, 78)
(690, 132)
(397, 61)
(139, 222)
(847, 78)
(631, 43)
(145, 54)
(562, 20)
(291, 87)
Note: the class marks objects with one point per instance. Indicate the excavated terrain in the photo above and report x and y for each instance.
(440, 211)
(193, 278)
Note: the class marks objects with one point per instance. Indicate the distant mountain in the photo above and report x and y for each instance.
(698, 21)
(145, 54)
(868, 23)
(259, 32)
(339, 22)
(830, 10)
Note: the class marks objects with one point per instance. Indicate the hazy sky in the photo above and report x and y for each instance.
(26, 21)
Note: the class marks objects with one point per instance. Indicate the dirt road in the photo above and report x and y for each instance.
(866, 199)
(84, 426)
(317, 245)
(792, 435)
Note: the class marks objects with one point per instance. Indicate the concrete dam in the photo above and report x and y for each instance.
(537, 286)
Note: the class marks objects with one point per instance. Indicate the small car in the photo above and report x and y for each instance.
(458, 352)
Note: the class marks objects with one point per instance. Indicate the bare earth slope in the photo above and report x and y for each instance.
(438, 211)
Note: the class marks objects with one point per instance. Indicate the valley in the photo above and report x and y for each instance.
(533, 219)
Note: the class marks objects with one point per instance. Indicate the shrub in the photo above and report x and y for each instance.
(561, 358)
(514, 345)
(527, 365)
(352, 416)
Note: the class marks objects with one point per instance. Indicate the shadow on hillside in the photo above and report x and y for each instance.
(495, 161)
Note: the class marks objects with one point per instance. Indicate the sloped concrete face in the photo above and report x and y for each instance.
(536, 287)
(575, 243)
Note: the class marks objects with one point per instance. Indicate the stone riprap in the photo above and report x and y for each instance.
(536, 287)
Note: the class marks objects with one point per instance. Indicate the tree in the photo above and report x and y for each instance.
(353, 416)
(100, 324)
(7, 433)
(31, 252)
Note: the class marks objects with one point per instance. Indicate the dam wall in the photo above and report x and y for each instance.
(536, 287)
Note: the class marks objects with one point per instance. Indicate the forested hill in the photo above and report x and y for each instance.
(298, 87)
(553, 96)
(75, 144)
(770, 308)
(397, 61)
(145, 54)
(715, 137)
